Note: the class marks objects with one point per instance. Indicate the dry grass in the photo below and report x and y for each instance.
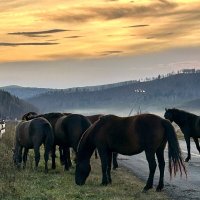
(59, 185)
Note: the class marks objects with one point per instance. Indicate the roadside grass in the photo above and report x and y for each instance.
(29, 184)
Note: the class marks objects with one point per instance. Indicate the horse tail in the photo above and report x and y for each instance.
(174, 151)
(49, 137)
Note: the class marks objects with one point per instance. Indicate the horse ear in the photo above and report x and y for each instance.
(165, 109)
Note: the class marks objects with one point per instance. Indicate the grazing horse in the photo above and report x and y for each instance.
(31, 135)
(52, 118)
(93, 119)
(189, 124)
(68, 131)
(129, 136)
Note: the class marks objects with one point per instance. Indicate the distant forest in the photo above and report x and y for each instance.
(150, 94)
(12, 107)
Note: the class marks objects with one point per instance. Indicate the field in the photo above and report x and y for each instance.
(29, 184)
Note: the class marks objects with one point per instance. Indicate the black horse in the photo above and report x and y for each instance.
(68, 131)
(31, 135)
(129, 136)
(189, 124)
(52, 118)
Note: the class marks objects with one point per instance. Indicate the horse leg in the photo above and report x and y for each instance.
(197, 143)
(53, 157)
(61, 155)
(19, 158)
(65, 158)
(115, 164)
(104, 156)
(69, 158)
(152, 168)
(109, 167)
(46, 158)
(187, 139)
(96, 154)
(161, 164)
(37, 155)
(25, 157)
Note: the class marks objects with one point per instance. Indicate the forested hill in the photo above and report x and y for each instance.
(24, 92)
(12, 107)
(173, 90)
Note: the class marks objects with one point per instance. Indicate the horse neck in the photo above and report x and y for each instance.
(86, 149)
(179, 118)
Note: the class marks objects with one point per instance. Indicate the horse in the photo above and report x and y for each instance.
(93, 119)
(129, 136)
(52, 118)
(189, 124)
(68, 131)
(31, 135)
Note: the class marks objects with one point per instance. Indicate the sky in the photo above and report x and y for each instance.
(62, 44)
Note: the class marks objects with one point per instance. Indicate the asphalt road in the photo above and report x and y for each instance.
(177, 188)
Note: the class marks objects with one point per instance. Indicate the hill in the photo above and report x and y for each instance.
(24, 92)
(173, 90)
(12, 107)
(191, 105)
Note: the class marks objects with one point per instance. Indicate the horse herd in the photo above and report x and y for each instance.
(109, 135)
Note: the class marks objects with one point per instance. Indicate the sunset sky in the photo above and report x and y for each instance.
(63, 44)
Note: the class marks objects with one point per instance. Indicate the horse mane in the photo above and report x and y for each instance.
(46, 115)
(51, 115)
(182, 112)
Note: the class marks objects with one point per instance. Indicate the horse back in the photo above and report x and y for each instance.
(129, 135)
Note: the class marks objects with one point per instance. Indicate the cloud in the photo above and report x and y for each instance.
(26, 44)
(107, 53)
(38, 33)
(136, 26)
(74, 36)
(113, 12)
(160, 35)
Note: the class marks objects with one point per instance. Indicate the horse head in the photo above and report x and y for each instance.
(169, 114)
(28, 116)
(83, 169)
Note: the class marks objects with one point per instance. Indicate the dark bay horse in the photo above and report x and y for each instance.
(68, 131)
(189, 124)
(93, 119)
(52, 118)
(31, 135)
(129, 136)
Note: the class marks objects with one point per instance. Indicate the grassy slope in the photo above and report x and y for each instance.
(60, 185)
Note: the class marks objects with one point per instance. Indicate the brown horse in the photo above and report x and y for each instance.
(129, 136)
(93, 119)
(31, 135)
(189, 124)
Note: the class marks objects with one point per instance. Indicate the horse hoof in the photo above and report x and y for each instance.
(159, 189)
(187, 159)
(104, 184)
(146, 188)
